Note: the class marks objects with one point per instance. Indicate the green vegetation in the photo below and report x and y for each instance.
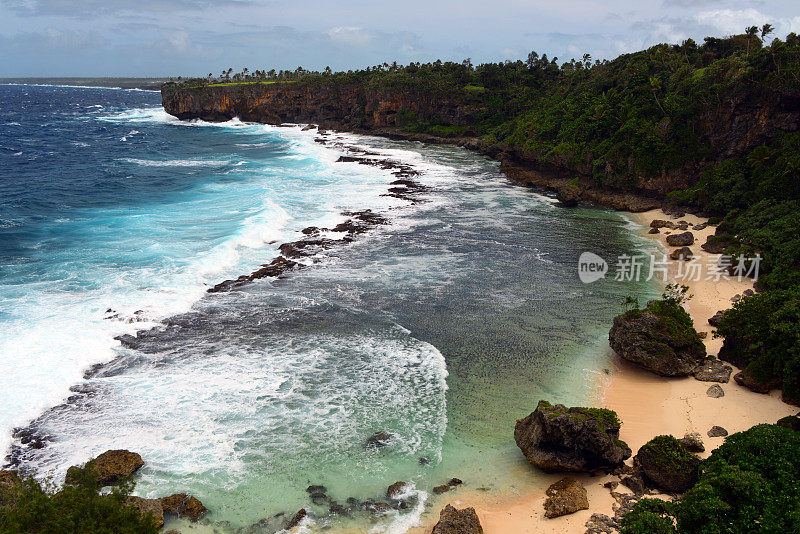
(667, 452)
(715, 118)
(749, 484)
(606, 419)
(28, 507)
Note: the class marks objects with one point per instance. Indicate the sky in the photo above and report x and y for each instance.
(196, 37)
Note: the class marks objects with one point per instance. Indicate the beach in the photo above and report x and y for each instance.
(647, 404)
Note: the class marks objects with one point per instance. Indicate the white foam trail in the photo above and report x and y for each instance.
(178, 162)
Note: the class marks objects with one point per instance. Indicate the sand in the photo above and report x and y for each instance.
(647, 404)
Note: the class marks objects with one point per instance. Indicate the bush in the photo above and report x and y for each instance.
(30, 508)
(749, 484)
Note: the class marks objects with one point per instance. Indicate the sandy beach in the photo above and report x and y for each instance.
(647, 404)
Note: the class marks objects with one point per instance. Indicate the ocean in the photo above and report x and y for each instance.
(439, 328)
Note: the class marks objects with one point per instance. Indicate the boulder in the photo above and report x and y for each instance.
(441, 489)
(396, 490)
(183, 505)
(193, 509)
(377, 440)
(715, 391)
(683, 239)
(792, 422)
(109, 468)
(747, 380)
(148, 506)
(454, 521)
(654, 231)
(602, 524)
(299, 516)
(635, 483)
(569, 196)
(664, 342)
(683, 253)
(701, 226)
(693, 442)
(667, 464)
(660, 223)
(713, 370)
(564, 497)
(717, 432)
(555, 438)
(717, 318)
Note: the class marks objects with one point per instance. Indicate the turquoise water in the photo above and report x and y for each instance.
(441, 328)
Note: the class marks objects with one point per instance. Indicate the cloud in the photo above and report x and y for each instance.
(90, 8)
(729, 21)
(350, 35)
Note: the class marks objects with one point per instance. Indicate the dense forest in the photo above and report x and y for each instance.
(712, 127)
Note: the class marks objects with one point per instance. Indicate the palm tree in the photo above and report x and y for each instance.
(766, 29)
(587, 60)
(751, 32)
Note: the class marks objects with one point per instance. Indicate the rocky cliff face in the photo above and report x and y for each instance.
(746, 121)
(350, 106)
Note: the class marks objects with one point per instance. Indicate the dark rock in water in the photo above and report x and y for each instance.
(316, 489)
(657, 342)
(378, 508)
(556, 438)
(568, 196)
(424, 461)
(792, 422)
(299, 516)
(454, 521)
(319, 499)
(128, 341)
(717, 432)
(668, 465)
(683, 253)
(715, 392)
(453, 482)
(148, 506)
(173, 503)
(681, 240)
(654, 231)
(311, 230)
(337, 509)
(747, 380)
(713, 370)
(635, 483)
(396, 490)
(717, 318)
(278, 267)
(109, 468)
(193, 509)
(378, 439)
(693, 442)
(183, 505)
(566, 496)
(441, 489)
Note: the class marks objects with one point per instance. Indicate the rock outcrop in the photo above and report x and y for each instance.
(108, 468)
(747, 380)
(684, 239)
(148, 506)
(666, 463)
(713, 370)
(454, 521)
(555, 438)
(183, 505)
(658, 339)
(565, 497)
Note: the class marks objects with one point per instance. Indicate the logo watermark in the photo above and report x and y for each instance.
(635, 268)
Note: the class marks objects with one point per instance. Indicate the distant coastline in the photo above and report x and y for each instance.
(141, 84)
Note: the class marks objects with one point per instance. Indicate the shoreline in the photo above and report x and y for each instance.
(647, 404)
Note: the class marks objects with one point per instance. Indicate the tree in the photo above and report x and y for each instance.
(766, 29)
(751, 32)
(587, 60)
(533, 61)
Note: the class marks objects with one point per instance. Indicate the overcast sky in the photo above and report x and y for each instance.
(195, 37)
